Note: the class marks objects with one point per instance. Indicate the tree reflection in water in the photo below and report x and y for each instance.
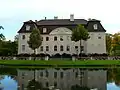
(113, 75)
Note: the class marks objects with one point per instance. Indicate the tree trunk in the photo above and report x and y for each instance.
(80, 49)
(34, 54)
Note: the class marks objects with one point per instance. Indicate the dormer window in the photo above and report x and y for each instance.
(44, 30)
(95, 26)
(27, 27)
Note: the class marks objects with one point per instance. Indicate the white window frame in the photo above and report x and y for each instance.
(95, 26)
(68, 48)
(27, 27)
(23, 48)
(47, 48)
(44, 30)
(61, 38)
(41, 48)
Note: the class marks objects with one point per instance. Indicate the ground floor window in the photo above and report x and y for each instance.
(61, 48)
(55, 48)
(23, 47)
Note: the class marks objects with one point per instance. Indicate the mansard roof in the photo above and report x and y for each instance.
(61, 22)
(51, 24)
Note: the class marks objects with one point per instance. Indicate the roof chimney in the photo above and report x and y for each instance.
(35, 20)
(55, 17)
(71, 17)
(45, 18)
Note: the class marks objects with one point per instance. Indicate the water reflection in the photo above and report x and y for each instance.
(60, 79)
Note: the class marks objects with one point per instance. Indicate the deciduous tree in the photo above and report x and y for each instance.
(79, 34)
(108, 43)
(35, 40)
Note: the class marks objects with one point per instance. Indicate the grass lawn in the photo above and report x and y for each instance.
(61, 63)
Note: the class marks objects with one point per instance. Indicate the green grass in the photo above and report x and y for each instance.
(60, 62)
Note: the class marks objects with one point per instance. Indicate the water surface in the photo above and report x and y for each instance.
(59, 78)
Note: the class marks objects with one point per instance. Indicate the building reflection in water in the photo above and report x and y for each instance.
(63, 79)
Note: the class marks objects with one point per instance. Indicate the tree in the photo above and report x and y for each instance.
(108, 43)
(116, 43)
(34, 85)
(77, 87)
(35, 40)
(2, 37)
(79, 34)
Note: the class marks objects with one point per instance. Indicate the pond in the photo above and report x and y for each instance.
(59, 79)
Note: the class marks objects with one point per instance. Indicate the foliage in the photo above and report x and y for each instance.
(8, 71)
(2, 37)
(34, 85)
(115, 44)
(77, 87)
(8, 48)
(35, 39)
(108, 43)
(79, 34)
(114, 75)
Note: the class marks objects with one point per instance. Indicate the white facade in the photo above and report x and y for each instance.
(96, 43)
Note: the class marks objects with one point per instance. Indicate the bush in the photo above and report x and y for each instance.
(23, 55)
(64, 55)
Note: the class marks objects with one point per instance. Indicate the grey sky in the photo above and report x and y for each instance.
(15, 12)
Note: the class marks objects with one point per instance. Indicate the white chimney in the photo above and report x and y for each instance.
(35, 20)
(55, 17)
(45, 18)
(71, 17)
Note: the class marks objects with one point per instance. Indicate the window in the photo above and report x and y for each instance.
(23, 47)
(47, 48)
(99, 37)
(82, 48)
(47, 38)
(55, 38)
(55, 48)
(61, 48)
(22, 86)
(44, 30)
(68, 48)
(23, 36)
(41, 48)
(41, 74)
(47, 84)
(95, 26)
(76, 47)
(61, 38)
(61, 74)
(55, 74)
(47, 73)
(55, 84)
(76, 74)
(27, 27)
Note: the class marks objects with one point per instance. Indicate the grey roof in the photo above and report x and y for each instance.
(61, 22)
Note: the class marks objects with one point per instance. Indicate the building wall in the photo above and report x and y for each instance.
(93, 45)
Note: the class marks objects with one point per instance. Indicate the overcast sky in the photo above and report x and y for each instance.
(15, 12)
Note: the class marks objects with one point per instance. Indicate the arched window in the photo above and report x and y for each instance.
(47, 48)
(55, 38)
(95, 26)
(55, 48)
(61, 48)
